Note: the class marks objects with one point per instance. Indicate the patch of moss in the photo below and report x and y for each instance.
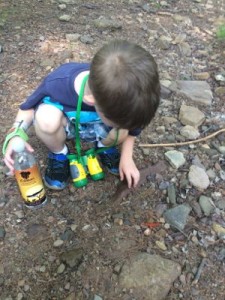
(220, 33)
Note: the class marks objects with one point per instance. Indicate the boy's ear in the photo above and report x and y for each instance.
(89, 99)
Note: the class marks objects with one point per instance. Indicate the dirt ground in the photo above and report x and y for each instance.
(106, 225)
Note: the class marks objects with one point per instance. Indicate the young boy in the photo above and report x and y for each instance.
(121, 93)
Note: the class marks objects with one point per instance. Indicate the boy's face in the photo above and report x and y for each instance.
(104, 119)
(89, 99)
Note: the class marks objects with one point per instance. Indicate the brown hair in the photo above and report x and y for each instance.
(124, 81)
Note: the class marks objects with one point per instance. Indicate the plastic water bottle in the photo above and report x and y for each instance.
(28, 176)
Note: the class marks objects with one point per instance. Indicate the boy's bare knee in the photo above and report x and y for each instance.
(48, 118)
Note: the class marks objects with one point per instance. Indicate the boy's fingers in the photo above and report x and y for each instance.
(29, 148)
(121, 175)
(129, 181)
(9, 165)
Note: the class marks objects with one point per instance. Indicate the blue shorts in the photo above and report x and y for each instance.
(91, 127)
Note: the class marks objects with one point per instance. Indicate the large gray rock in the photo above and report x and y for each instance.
(149, 276)
(190, 115)
(197, 91)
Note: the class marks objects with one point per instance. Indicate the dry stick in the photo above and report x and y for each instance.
(199, 271)
(184, 143)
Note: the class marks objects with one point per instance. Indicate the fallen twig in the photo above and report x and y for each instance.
(184, 143)
(199, 271)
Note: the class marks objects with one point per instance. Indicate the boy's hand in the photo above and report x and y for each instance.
(8, 158)
(128, 170)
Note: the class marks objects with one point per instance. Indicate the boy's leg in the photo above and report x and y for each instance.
(111, 157)
(50, 125)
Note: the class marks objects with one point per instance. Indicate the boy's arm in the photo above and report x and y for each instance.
(25, 117)
(127, 166)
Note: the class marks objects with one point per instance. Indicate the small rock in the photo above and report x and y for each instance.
(190, 115)
(73, 37)
(190, 132)
(220, 230)
(74, 227)
(118, 221)
(19, 214)
(185, 49)
(65, 18)
(211, 173)
(181, 37)
(172, 194)
(42, 269)
(147, 232)
(96, 297)
(71, 296)
(73, 257)
(19, 296)
(104, 23)
(175, 158)
(62, 6)
(68, 1)
(206, 205)
(198, 177)
(161, 245)
(86, 39)
(220, 77)
(202, 76)
(220, 91)
(177, 216)
(2, 233)
(58, 243)
(61, 268)
(26, 288)
(164, 42)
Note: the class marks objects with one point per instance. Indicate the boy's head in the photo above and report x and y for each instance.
(125, 84)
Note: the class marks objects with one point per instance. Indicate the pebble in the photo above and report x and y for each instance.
(97, 297)
(58, 243)
(190, 132)
(86, 39)
(206, 205)
(177, 216)
(175, 158)
(62, 6)
(171, 194)
(19, 296)
(61, 268)
(26, 288)
(220, 230)
(42, 269)
(198, 177)
(161, 245)
(19, 214)
(147, 232)
(73, 37)
(65, 18)
(105, 23)
(2, 233)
